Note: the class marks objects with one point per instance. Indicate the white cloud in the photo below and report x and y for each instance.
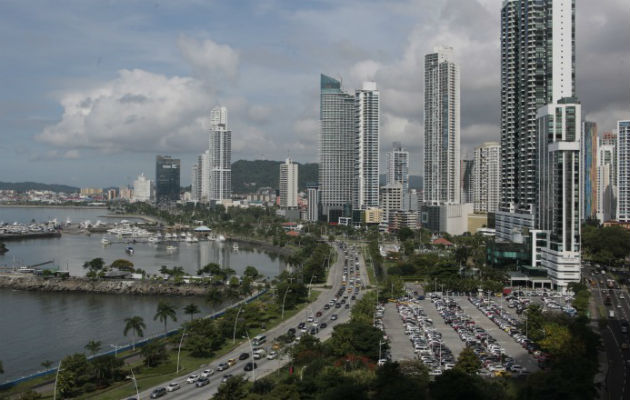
(208, 58)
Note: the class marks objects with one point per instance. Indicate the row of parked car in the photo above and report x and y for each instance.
(426, 340)
(507, 323)
(493, 359)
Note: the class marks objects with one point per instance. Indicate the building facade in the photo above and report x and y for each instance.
(391, 200)
(441, 127)
(467, 177)
(312, 197)
(195, 184)
(336, 149)
(589, 170)
(606, 185)
(623, 171)
(366, 152)
(167, 178)
(142, 189)
(486, 174)
(288, 184)
(220, 156)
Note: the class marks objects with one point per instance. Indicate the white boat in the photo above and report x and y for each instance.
(129, 250)
(68, 221)
(235, 247)
(189, 238)
(153, 239)
(220, 238)
(106, 241)
(171, 248)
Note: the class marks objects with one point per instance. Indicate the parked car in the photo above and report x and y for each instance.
(158, 392)
(333, 317)
(173, 386)
(272, 355)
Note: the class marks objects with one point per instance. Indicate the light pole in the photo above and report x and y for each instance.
(56, 379)
(285, 296)
(135, 383)
(179, 349)
(251, 348)
(115, 347)
(309, 286)
(235, 322)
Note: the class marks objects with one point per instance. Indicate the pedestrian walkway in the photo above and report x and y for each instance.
(512, 348)
(399, 344)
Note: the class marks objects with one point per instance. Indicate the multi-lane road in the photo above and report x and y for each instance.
(617, 379)
(337, 277)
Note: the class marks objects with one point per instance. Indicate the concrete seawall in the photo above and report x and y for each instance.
(29, 282)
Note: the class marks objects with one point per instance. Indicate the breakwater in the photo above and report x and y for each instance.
(17, 281)
(29, 235)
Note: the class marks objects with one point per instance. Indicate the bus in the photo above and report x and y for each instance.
(258, 340)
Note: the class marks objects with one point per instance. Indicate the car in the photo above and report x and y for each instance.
(203, 381)
(225, 378)
(381, 362)
(250, 366)
(173, 386)
(621, 296)
(223, 366)
(272, 355)
(291, 332)
(326, 306)
(310, 319)
(347, 306)
(158, 392)
(323, 325)
(333, 317)
(243, 356)
(318, 314)
(231, 361)
(192, 378)
(207, 372)
(314, 331)
(301, 325)
(337, 305)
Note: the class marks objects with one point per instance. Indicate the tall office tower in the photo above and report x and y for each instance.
(623, 171)
(288, 184)
(205, 177)
(537, 68)
(167, 175)
(559, 202)
(142, 189)
(466, 184)
(366, 153)
(610, 139)
(195, 185)
(391, 200)
(312, 196)
(441, 127)
(486, 177)
(398, 166)
(218, 118)
(588, 184)
(336, 149)
(220, 156)
(606, 186)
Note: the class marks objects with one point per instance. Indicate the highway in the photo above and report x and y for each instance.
(617, 379)
(265, 367)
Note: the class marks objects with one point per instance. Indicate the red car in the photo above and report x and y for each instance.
(318, 314)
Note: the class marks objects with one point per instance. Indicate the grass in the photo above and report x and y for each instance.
(369, 266)
(150, 377)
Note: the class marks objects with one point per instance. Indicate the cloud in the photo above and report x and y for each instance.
(209, 59)
(55, 155)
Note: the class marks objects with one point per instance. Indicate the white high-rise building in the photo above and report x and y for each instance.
(559, 198)
(312, 196)
(398, 166)
(336, 149)
(441, 127)
(142, 189)
(623, 171)
(366, 161)
(288, 184)
(486, 177)
(220, 156)
(391, 200)
(606, 185)
(205, 177)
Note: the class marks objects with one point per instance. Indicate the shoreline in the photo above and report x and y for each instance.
(4, 205)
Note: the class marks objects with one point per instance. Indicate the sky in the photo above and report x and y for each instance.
(92, 90)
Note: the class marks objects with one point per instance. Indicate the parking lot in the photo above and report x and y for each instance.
(449, 336)
(400, 346)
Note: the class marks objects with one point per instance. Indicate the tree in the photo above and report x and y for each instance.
(468, 361)
(235, 388)
(214, 297)
(1, 368)
(251, 272)
(535, 323)
(211, 269)
(122, 264)
(203, 337)
(191, 309)
(95, 264)
(405, 234)
(357, 337)
(164, 312)
(47, 364)
(154, 354)
(392, 383)
(135, 324)
(93, 346)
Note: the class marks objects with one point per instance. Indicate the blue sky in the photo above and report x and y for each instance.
(93, 90)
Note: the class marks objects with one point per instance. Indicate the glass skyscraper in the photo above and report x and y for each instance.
(167, 174)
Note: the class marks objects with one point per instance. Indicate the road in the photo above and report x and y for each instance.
(617, 380)
(265, 367)
(399, 345)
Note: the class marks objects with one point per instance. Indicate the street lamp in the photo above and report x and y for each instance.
(135, 382)
(179, 349)
(56, 379)
(116, 348)
(235, 322)
(253, 362)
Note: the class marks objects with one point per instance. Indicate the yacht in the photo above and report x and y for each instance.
(153, 239)
(105, 241)
(129, 250)
(171, 248)
(235, 247)
(220, 238)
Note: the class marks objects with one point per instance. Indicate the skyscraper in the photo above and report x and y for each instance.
(466, 184)
(220, 156)
(398, 166)
(336, 148)
(288, 184)
(441, 127)
(366, 162)
(142, 189)
(606, 185)
(312, 195)
(537, 68)
(623, 171)
(588, 184)
(486, 177)
(167, 176)
(195, 186)
(558, 212)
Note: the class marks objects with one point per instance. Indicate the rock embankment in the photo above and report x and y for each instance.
(19, 281)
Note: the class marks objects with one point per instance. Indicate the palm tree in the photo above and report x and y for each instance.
(191, 309)
(1, 368)
(164, 312)
(93, 346)
(47, 364)
(135, 324)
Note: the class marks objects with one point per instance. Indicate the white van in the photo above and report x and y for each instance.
(260, 353)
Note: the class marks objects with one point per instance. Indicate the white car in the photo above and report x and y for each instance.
(310, 319)
(381, 362)
(272, 355)
(192, 378)
(173, 386)
(207, 372)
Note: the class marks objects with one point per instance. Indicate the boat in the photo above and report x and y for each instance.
(129, 250)
(235, 247)
(153, 239)
(220, 238)
(106, 241)
(68, 221)
(171, 248)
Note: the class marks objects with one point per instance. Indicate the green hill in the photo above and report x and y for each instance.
(25, 186)
(249, 176)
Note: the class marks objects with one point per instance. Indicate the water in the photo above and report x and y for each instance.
(24, 215)
(38, 326)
